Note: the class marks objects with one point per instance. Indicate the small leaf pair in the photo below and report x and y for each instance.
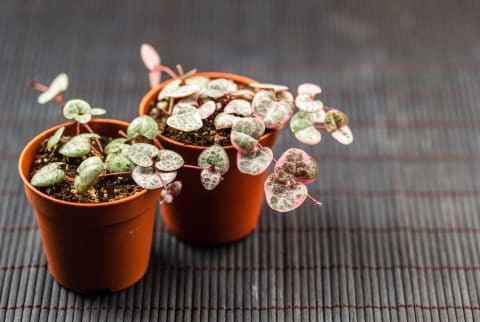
(154, 168)
(88, 171)
(282, 190)
(56, 88)
(77, 146)
(80, 111)
(214, 162)
(117, 159)
(251, 159)
(232, 112)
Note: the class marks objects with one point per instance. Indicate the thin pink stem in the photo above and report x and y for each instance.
(315, 201)
(320, 127)
(89, 129)
(161, 68)
(188, 166)
(160, 177)
(42, 88)
(115, 174)
(68, 179)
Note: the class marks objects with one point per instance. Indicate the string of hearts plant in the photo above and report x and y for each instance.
(189, 101)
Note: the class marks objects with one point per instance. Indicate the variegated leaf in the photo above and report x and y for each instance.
(77, 146)
(118, 162)
(335, 119)
(224, 120)
(210, 178)
(214, 156)
(55, 138)
(305, 103)
(296, 163)
(309, 89)
(284, 197)
(245, 134)
(207, 109)
(185, 119)
(217, 88)
(144, 126)
(256, 162)
(239, 107)
(48, 175)
(273, 87)
(148, 179)
(169, 160)
(88, 172)
(275, 114)
(302, 126)
(77, 109)
(57, 87)
(142, 154)
(343, 135)
(170, 88)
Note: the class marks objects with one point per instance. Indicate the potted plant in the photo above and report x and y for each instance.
(229, 123)
(94, 205)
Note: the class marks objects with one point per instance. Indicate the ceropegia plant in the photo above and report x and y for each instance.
(190, 100)
(135, 153)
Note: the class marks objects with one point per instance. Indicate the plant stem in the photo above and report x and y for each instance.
(320, 127)
(188, 166)
(315, 201)
(158, 144)
(114, 174)
(89, 129)
(161, 68)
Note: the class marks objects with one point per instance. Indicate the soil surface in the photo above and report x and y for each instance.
(105, 188)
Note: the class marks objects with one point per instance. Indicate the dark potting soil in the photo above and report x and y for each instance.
(104, 189)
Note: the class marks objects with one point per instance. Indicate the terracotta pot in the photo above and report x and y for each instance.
(227, 213)
(92, 247)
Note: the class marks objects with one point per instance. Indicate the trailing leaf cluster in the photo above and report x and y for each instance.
(248, 111)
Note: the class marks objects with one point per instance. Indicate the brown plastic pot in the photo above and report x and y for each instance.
(227, 213)
(92, 247)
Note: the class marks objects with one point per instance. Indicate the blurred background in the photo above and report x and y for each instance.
(398, 237)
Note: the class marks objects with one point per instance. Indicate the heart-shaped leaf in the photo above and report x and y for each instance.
(169, 160)
(78, 146)
(219, 87)
(185, 119)
(210, 178)
(200, 82)
(283, 197)
(207, 109)
(225, 121)
(170, 88)
(273, 87)
(98, 111)
(115, 146)
(302, 125)
(148, 179)
(175, 188)
(309, 89)
(214, 156)
(238, 107)
(296, 163)
(275, 114)
(142, 154)
(55, 138)
(144, 126)
(88, 172)
(165, 196)
(256, 162)
(57, 87)
(48, 175)
(245, 134)
(118, 163)
(305, 103)
(77, 109)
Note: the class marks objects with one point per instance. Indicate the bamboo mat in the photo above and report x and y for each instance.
(398, 236)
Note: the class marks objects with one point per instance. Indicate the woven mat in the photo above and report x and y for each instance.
(398, 236)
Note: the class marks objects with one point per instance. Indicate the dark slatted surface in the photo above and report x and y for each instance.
(398, 237)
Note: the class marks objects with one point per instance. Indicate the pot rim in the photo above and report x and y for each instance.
(152, 93)
(33, 144)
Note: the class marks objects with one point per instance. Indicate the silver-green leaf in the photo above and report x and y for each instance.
(142, 154)
(144, 126)
(169, 160)
(57, 87)
(256, 162)
(88, 172)
(77, 109)
(48, 175)
(55, 138)
(214, 156)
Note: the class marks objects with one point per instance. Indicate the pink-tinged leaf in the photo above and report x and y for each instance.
(245, 134)
(302, 126)
(310, 136)
(150, 57)
(175, 188)
(284, 197)
(210, 178)
(57, 87)
(170, 88)
(309, 89)
(187, 101)
(267, 86)
(343, 135)
(185, 119)
(296, 163)
(207, 109)
(305, 103)
(256, 162)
